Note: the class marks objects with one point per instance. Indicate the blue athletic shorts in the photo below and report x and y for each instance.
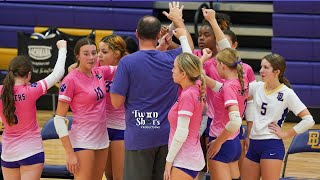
(79, 149)
(230, 150)
(241, 133)
(206, 132)
(34, 159)
(192, 173)
(115, 134)
(265, 149)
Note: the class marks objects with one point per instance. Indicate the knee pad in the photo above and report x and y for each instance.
(237, 178)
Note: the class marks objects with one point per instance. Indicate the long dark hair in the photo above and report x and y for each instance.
(20, 66)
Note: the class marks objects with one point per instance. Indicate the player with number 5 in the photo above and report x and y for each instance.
(273, 98)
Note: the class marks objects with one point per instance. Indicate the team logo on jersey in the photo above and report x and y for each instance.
(39, 52)
(98, 76)
(146, 120)
(34, 84)
(280, 96)
(63, 87)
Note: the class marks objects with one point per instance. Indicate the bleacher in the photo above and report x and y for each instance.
(74, 18)
(297, 39)
(287, 28)
(71, 17)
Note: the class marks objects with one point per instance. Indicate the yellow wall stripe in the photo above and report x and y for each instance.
(6, 55)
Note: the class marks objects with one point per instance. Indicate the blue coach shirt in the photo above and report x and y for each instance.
(145, 79)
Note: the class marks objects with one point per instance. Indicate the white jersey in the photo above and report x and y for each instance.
(271, 107)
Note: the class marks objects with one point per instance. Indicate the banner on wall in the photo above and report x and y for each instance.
(44, 53)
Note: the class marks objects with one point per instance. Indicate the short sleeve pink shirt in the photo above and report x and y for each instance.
(87, 98)
(248, 72)
(23, 139)
(230, 94)
(211, 71)
(115, 117)
(190, 155)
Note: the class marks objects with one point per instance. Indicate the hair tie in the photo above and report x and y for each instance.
(237, 62)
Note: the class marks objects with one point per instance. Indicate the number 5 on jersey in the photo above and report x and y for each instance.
(264, 108)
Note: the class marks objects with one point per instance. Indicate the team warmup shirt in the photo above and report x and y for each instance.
(230, 94)
(145, 79)
(190, 155)
(271, 107)
(210, 68)
(23, 140)
(87, 98)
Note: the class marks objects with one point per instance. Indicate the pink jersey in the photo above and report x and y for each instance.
(87, 99)
(230, 94)
(190, 155)
(210, 68)
(115, 117)
(248, 72)
(23, 139)
(211, 71)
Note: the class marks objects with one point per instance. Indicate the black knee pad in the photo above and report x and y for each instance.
(237, 178)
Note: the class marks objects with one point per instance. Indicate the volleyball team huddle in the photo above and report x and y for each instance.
(140, 115)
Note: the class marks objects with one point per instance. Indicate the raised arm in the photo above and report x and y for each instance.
(210, 16)
(58, 70)
(175, 15)
(181, 34)
(211, 83)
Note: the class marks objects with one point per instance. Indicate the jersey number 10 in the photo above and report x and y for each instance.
(99, 93)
